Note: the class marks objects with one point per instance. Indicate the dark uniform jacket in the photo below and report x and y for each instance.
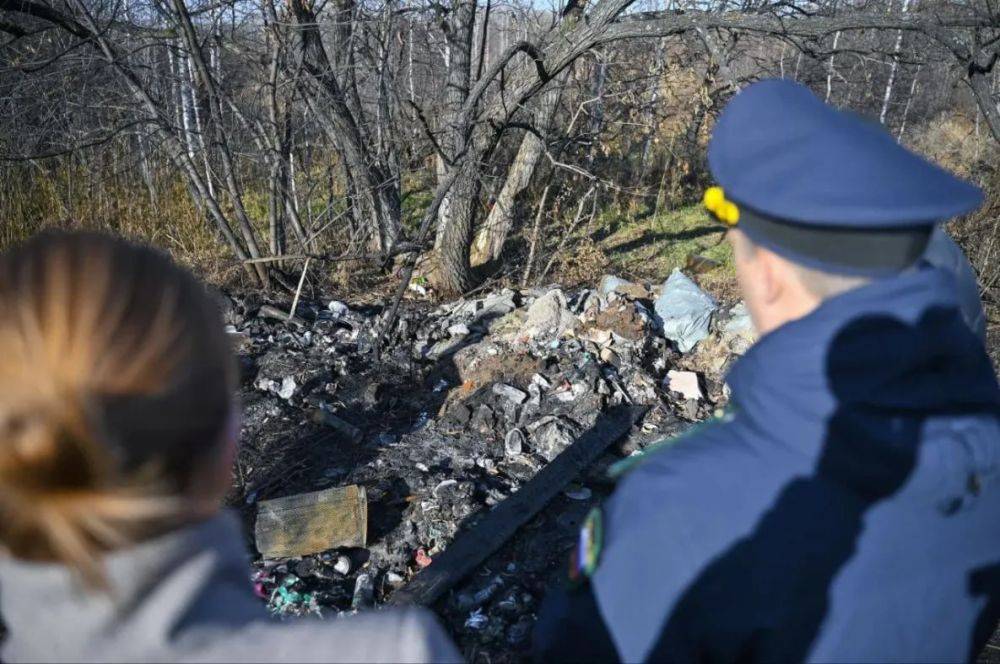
(846, 508)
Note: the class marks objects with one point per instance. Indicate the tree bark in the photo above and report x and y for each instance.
(980, 84)
(453, 273)
(492, 236)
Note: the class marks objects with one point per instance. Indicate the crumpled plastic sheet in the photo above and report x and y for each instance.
(685, 311)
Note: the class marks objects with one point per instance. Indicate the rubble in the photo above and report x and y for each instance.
(612, 284)
(467, 403)
(548, 316)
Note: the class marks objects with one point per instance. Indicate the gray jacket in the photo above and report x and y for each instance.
(187, 597)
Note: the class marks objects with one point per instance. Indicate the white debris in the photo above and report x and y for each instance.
(541, 381)
(477, 620)
(496, 305)
(343, 565)
(510, 393)
(610, 283)
(611, 287)
(288, 387)
(364, 592)
(338, 309)
(684, 383)
(738, 332)
(551, 439)
(265, 384)
(459, 330)
(443, 484)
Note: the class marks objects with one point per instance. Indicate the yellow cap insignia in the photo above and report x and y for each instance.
(724, 210)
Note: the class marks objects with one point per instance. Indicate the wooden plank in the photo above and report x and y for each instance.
(472, 547)
(312, 522)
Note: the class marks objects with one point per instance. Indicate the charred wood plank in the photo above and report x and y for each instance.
(312, 522)
(472, 547)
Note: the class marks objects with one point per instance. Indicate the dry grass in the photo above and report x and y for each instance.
(50, 200)
(958, 144)
(647, 249)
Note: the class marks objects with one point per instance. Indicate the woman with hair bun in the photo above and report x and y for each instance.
(118, 427)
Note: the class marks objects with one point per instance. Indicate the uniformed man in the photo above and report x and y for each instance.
(846, 507)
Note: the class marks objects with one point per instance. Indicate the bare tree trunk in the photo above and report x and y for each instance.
(198, 127)
(830, 69)
(181, 85)
(980, 84)
(649, 115)
(147, 169)
(597, 119)
(453, 272)
(909, 100)
(493, 235)
(892, 69)
(409, 62)
(535, 236)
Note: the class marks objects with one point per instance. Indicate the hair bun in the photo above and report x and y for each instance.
(116, 381)
(50, 451)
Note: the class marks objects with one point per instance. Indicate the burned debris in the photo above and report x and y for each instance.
(468, 402)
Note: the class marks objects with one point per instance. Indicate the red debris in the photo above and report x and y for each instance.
(422, 559)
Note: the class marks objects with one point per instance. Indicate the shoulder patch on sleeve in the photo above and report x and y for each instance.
(587, 553)
(621, 468)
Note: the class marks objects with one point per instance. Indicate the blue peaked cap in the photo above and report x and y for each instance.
(780, 152)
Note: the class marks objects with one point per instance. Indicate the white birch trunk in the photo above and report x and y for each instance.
(830, 69)
(198, 129)
(409, 62)
(892, 69)
(906, 109)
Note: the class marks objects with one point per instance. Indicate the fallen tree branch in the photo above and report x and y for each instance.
(400, 249)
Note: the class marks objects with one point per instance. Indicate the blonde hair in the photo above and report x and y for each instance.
(116, 383)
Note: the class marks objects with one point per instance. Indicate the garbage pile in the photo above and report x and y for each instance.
(465, 403)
